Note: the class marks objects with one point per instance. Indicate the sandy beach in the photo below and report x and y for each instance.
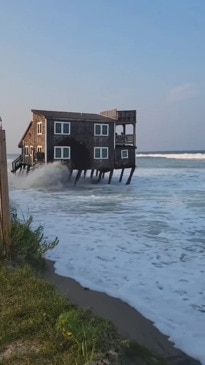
(130, 323)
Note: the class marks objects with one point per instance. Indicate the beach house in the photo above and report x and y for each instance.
(83, 141)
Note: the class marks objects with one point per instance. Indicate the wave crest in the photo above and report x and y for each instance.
(178, 156)
(52, 176)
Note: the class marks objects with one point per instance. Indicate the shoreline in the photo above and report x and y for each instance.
(129, 322)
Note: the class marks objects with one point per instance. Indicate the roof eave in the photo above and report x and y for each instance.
(20, 145)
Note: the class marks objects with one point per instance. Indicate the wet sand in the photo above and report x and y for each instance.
(130, 323)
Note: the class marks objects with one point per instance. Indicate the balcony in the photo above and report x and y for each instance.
(125, 139)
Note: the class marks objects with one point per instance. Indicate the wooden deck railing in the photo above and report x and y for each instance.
(128, 139)
(17, 163)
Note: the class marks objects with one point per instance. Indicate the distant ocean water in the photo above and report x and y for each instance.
(143, 243)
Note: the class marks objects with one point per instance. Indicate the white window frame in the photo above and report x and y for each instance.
(62, 158)
(26, 149)
(124, 157)
(61, 123)
(101, 149)
(39, 148)
(101, 129)
(39, 128)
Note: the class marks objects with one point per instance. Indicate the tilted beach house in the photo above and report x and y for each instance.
(83, 141)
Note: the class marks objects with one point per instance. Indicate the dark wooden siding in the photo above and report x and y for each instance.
(126, 116)
(125, 162)
(82, 142)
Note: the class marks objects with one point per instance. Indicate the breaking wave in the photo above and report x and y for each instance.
(52, 176)
(178, 156)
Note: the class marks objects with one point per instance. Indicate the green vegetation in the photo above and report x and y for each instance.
(28, 245)
(38, 326)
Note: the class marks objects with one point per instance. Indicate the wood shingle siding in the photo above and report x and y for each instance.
(83, 141)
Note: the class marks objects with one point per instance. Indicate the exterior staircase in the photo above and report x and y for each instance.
(18, 163)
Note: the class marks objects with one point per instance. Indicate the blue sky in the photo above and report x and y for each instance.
(93, 55)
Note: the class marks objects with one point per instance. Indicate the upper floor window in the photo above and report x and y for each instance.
(101, 129)
(101, 152)
(26, 150)
(61, 127)
(124, 154)
(61, 152)
(39, 128)
(39, 148)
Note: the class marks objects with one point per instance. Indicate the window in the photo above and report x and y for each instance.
(101, 130)
(124, 154)
(101, 152)
(61, 153)
(26, 150)
(61, 127)
(39, 128)
(39, 148)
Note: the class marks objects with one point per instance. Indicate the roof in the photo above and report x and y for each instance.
(70, 115)
(27, 129)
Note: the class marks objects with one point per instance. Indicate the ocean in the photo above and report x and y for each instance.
(143, 243)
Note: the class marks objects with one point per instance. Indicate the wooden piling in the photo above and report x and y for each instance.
(78, 176)
(121, 175)
(110, 176)
(130, 177)
(100, 176)
(70, 174)
(4, 195)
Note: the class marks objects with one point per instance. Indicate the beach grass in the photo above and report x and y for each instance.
(39, 326)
